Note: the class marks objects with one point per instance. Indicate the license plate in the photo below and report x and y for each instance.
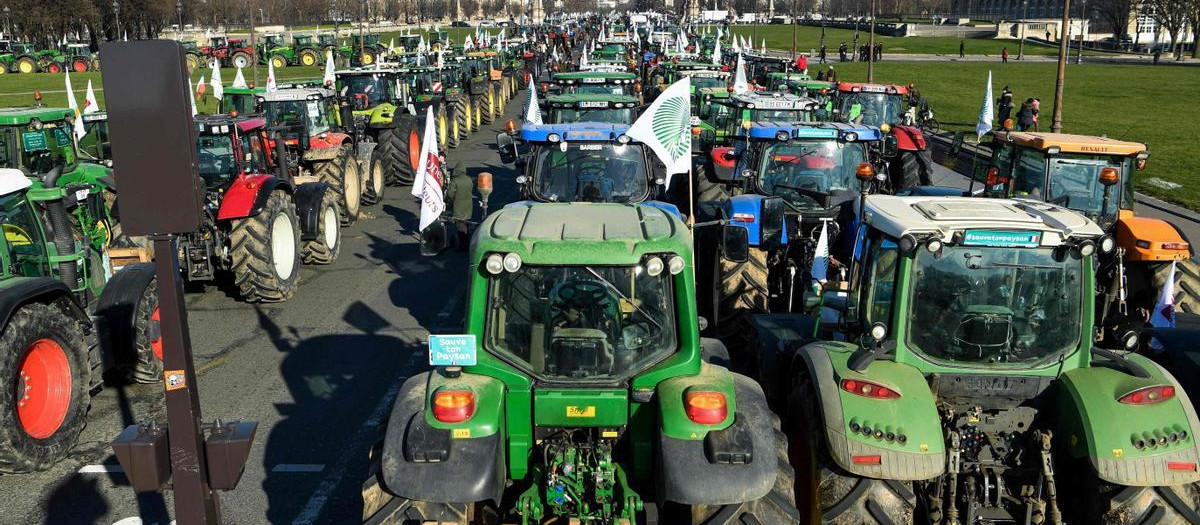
(593, 104)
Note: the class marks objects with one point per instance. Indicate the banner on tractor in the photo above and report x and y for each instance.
(452, 350)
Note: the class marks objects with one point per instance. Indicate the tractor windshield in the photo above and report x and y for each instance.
(805, 172)
(598, 89)
(870, 109)
(243, 104)
(43, 149)
(780, 115)
(372, 88)
(995, 306)
(605, 115)
(214, 154)
(582, 322)
(295, 116)
(701, 82)
(591, 172)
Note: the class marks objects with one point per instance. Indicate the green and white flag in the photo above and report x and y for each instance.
(740, 83)
(665, 128)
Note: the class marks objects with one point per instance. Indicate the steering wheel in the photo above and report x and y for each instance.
(205, 158)
(582, 293)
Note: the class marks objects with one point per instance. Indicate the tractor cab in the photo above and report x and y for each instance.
(272, 41)
(582, 162)
(423, 85)
(328, 40)
(367, 88)
(96, 145)
(870, 104)
(616, 48)
(301, 115)
(6, 47)
(739, 111)
(607, 109)
(36, 140)
(408, 43)
(597, 83)
(708, 77)
(760, 67)
(798, 83)
(231, 147)
(302, 41)
(240, 101)
(218, 42)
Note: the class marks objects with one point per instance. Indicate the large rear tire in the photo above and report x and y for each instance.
(777, 507)
(478, 107)
(325, 248)
(345, 179)
(913, 168)
(443, 127)
(309, 58)
(400, 145)
(1102, 503)
(26, 64)
(375, 180)
(241, 59)
(43, 409)
(744, 293)
(462, 117)
(266, 251)
(830, 494)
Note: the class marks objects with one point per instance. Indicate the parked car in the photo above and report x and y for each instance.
(459, 23)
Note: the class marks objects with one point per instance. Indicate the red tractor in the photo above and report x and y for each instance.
(307, 119)
(883, 106)
(229, 52)
(256, 215)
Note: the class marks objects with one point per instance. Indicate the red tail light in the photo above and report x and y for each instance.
(706, 408)
(1176, 465)
(862, 388)
(1149, 395)
(866, 460)
(453, 406)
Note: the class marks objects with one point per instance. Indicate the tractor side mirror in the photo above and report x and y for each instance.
(735, 243)
(434, 238)
(771, 220)
(891, 146)
(507, 147)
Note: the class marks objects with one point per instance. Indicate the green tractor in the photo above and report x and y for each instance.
(381, 116)
(329, 42)
(425, 86)
(274, 50)
(958, 380)
(593, 400)
(75, 305)
(23, 58)
(366, 49)
(458, 104)
(193, 54)
(308, 52)
(79, 58)
(597, 83)
(798, 83)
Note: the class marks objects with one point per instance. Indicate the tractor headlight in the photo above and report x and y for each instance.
(1107, 244)
(1130, 340)
(494, 264)
(654, 267)
(782, 136)
(512, 262)
(675, 265)
(934, 245)
(850, 137)
(623, 139)
(553, 137)
(907, 243)
(1087, 248)
(878, 331)
(35, 124)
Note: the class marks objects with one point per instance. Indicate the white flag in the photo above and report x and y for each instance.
(533, 114)
(984, 124)
(665, 127)
(328, 79)
(90, 105)
(391, 46)
(734, 44)
(820, 264)
(271, 87)
(1163, 315)
(428, 183)
(218, 89)
(740, 84)
(764, 46)
(193, 94)
(74, 106)
(583, 63)
(716, 54)
(683, 41)
(239, 80)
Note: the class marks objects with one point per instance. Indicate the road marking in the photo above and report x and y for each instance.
(100, 469)
(298, 467)
(316, 503)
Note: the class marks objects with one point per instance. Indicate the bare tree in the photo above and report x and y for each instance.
(1171, 15)
(1116, 14)
(1194, 20)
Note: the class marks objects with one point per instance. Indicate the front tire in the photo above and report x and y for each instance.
(328, 244)
(744, 293)
(44, 407)
(375, 181)
(266, 251)
(308, 58)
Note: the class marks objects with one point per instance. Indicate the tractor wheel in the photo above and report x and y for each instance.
(777, 507)
(265, 250)
(279, 61)
(462, 117)
(241, 59)
(129, 308)
(1102, 503)
(367, 57)
(453, 130)
(53, 67)
(443, 131)
(345, 179)
(3, 68)
(497, 100)
(1187, 286)
(95, 64)
(478, 107)
(744, 293)
(148, 366)
(486, 107)
(401, 146)
(709, 198)
(913, 168)
(328, 244)
(308, 58)
(46, 366)
(80, 64)
(26, 65)
(375, 181)
(193, 62)
(829, 494)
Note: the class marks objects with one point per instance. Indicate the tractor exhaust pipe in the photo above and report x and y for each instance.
(60, 222)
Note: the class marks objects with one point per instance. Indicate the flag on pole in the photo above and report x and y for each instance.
(89, 101)
(984, 124)
(533, 114)
(740, 84)
(1163, 315)
(764, 46)
(328, 79)
(193, 97)
(239, 80)
(716, 54)
(666, 128)
(271, 87)
(820, 264)
(218, 89)
(428, 184)
(74, 106)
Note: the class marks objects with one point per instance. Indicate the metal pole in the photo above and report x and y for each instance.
(179, 11)
(253, 43)
(1064, 40)
(1082, 21)
(116, 20)
(871, 47)
(195, 501)
(1024, 15)
(794, 31)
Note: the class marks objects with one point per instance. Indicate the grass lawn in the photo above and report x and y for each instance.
(1130, 102)
(809, 38)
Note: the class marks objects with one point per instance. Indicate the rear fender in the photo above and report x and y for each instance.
(329, 140)
(248, 194)
(308, 206)
(914, 414)
(427, 460)
(745, 210)
(1094, 424)
(19, 291)
(719, 160)
(909, 138)
(117, 308)
(687, 457)
(1151, 233)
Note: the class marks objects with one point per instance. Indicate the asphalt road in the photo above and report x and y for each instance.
(318, 373)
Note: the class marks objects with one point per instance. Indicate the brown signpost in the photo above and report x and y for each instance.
(160, 194)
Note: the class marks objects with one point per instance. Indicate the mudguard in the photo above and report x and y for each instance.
(308, 207)
(21, 290)
(247, 195)
(328, 140)
(745, 210)
(426, 460)
(667, 207)
(1152, 234)
(686, 473)
(914, 415)
(117, 307)
(1094, 424)
(723, 165)
(909, 138)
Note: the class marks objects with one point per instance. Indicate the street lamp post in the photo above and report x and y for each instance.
(1083, 17)
(794, 31)
(179, 11)
(8, 22)
(1064, 40)
(253, 42)
(871, 47)
(116, 7)
(1024, 15)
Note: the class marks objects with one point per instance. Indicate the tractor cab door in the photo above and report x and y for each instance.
(25, 244)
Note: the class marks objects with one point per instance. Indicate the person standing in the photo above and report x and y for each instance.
(962, 48)
(1025, 120)
(1005, 104)
(1037, 108)
(878, 51)
(802, 64)
(842, 52)
(822, 53)
(1004, 55)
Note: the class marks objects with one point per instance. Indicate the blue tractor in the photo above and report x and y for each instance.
(792, 182)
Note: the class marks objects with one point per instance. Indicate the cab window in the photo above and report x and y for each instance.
(252, 150)
(1029, 174)
(22, 235)
(882, 262)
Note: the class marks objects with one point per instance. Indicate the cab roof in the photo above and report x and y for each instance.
(944, 216)
(22, 116)
(576, 132)
(292, 94)
(573, 98)
(598, 77)
(814, 130)
(1068, 143)
(773, 100)
(582, 233)
(210, 123)
(872, 88)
